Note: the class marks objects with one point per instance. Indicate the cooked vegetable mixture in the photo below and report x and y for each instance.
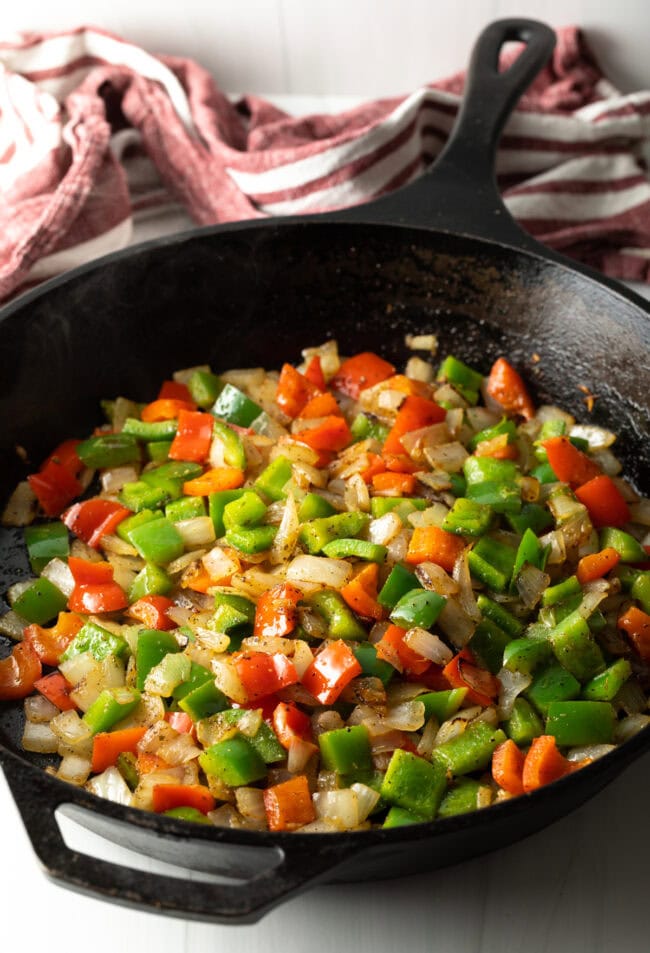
(333, 598)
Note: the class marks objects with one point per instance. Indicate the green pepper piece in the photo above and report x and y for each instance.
(563, 590)
(339, 618)
(264, 741)
(253, 539)
(488, 644)
(525, 655)
(442, 705)
(98, 641)
(217, 503)
(629, 549)
(606, 686)
(46, 541)
(458, 484)
(524, 723)
(234, 761)
(461, 377)
(158, 541)
(531, 553)
(400, 817)
(531, 516)
(380, 505)
(415, 784)
(364, 427)
(315, 534)
(191, 814)
(41, 602)
(224, 597)
(581, 722)
(158, 450)
(366, 655)
(357, 549)
(272, 480)
(399, 582)
(640, 590)
(346, 750)
(173, 470)
(204, 700)
(126, 764)
(154, 431)
(461, 798)
(112, 705)
(234, 454)
(233, 406)
(501, 497)
(492, 562)
(204, 388)
(496, 613)
(185, 508)
(151, 648)
(140, 496)
(471, 751)
(576, 649)
(138, 519)
(109, 450)
(150, 581)
(247, 510)
(505, 426)
(544, 473)
(479, 470)
(199, 675)
(419, 607)
(314, 507)
(552, 684)
(468, 518)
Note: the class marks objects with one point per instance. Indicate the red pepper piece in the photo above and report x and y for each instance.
(174, 390)
(165, 409)
(294, 391)
(392, 648)
(332, 434)
(604, 500)
(167, 796)
(54, 487)
(151, 610)
(569, 464)
(19, 672)
(89, 520)
(332, 669)
(263, 674)
(290, 723)
(482, 687)
(193, 436)
(50, 643)
(314, 373)
(276, 613)
(55, 688)
(361, 371)
(415, 413)
(505, 386)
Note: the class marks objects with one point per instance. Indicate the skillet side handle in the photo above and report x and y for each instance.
(299, 866)
(459, 191)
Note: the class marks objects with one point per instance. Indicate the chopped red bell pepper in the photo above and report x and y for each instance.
(361, 593)
(89, 520)
(314, 373)
(605, 502)
(167, 796)
(276, 613)
(596, 565)
(322, 405)
(90, 571)
(289, 805)
(19, 672)
(50, 643)
(55, 688)
(294, 391)
(482, 687)
(360, 372)
(94, 591)
(263, 674)
(109, 745)
(54, 486)
(332, 669)
(174, 390)
(193, 436)
(636, 623)
(415, 413)
(392, 648)
(181, 722)
(165, 408)
(66, 455)
(151, 610)
(435, 545)
(569, 464)
(332, 433)
(505, 386)
(290, 723)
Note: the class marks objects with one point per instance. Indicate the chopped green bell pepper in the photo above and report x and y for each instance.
(418, 607)
(525, 655)
(273, 479)
(151, 648)
(41, 602)
(461, 798)
(247, 510)
(412, 783)
(605, 686)
(185, 508)
(204, 388)
(505, 426)
(314, 507)
(366, 655)
(400, 817)
(640, 590)
(357, 549)
(217, 503)
(442, 705)
(488, 644)
(204, 700)
(531, 516)
(98, 641)
(109, 450)
(315, 534)
(233, 406)
(152, 580)
(264, 741)
(252, 539)
(496, 613)
(492, 562)
(234, 761)
(112, 705)
(576, 649)
(339, 618)
(470, 751)
(380, 505)
(524, 723)
(581, 722)
(461, 377)
(468, 518)
(399, 582)
(158, 541)
(629, 549)
(154, 431)
(191, 814)
(552, 684)
(234, 454)
(46, 541)
(563, 590)
(346, 750)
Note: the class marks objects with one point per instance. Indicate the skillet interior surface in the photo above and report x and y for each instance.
(252, 295)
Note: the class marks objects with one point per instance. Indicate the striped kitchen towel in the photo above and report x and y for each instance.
(96, 134)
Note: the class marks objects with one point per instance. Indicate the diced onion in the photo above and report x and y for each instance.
(110, 785)
(466, 597)
(39, 710)
(433, 515)
(197, 531)
(367, 799)
(640, 512)
(428, 646)
(13, 625)
(250, 804)
(339, 807)
(21, 507)
(39, 738)
(407, 716)
(300, 751)
(70, 729)
(422, 342)
(319, 570)
(113, 480)
(15, 591)
(433, 577)
(227, 679)
(456, 623)
(384, 529)
(449, 457)
(531, 583)
(588, 752)
(630, 726)
(511, 684)
(74, 769)
(287, 534)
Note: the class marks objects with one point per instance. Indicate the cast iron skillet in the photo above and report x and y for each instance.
(441, 255)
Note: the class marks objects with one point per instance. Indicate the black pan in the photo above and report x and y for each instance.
(441, 255)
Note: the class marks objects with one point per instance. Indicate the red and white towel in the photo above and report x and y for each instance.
(96, 133)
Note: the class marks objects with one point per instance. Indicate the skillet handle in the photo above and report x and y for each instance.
(459, 191)
(293, 867)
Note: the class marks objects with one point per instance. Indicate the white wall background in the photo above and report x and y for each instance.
(360, 48)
